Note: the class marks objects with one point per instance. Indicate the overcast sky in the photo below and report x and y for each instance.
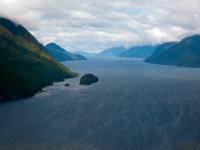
(93, 25)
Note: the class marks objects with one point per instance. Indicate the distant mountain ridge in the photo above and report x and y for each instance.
(142, 51)
(183, 53)
(114, 51)
(25, 67)
(139, 51)
(61, 54)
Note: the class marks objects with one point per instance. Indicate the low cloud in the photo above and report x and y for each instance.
(93, 25)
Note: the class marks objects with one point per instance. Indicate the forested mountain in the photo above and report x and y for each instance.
(25, 67)
(183, 53)
(61, 54)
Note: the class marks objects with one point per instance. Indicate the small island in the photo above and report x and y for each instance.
(88, 79)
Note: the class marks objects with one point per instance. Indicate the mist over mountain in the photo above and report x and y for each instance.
(139, 52)
(134, 52)
(97, 25)
(86, 54)
(114, 51)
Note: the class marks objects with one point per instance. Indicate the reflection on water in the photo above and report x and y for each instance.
(134, 106)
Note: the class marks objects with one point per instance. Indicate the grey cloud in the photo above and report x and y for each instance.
(93, 25)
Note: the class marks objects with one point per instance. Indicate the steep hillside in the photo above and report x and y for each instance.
(25, 68)
(183, 53)
(61, 54)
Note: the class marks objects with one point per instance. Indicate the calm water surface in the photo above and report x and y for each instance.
(134, 106)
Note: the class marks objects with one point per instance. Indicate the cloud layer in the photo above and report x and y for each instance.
(93, 25)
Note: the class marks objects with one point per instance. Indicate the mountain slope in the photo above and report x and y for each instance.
(61, 54)
(114, 51)
(183, 53)
(139, 52)
(25, 68)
